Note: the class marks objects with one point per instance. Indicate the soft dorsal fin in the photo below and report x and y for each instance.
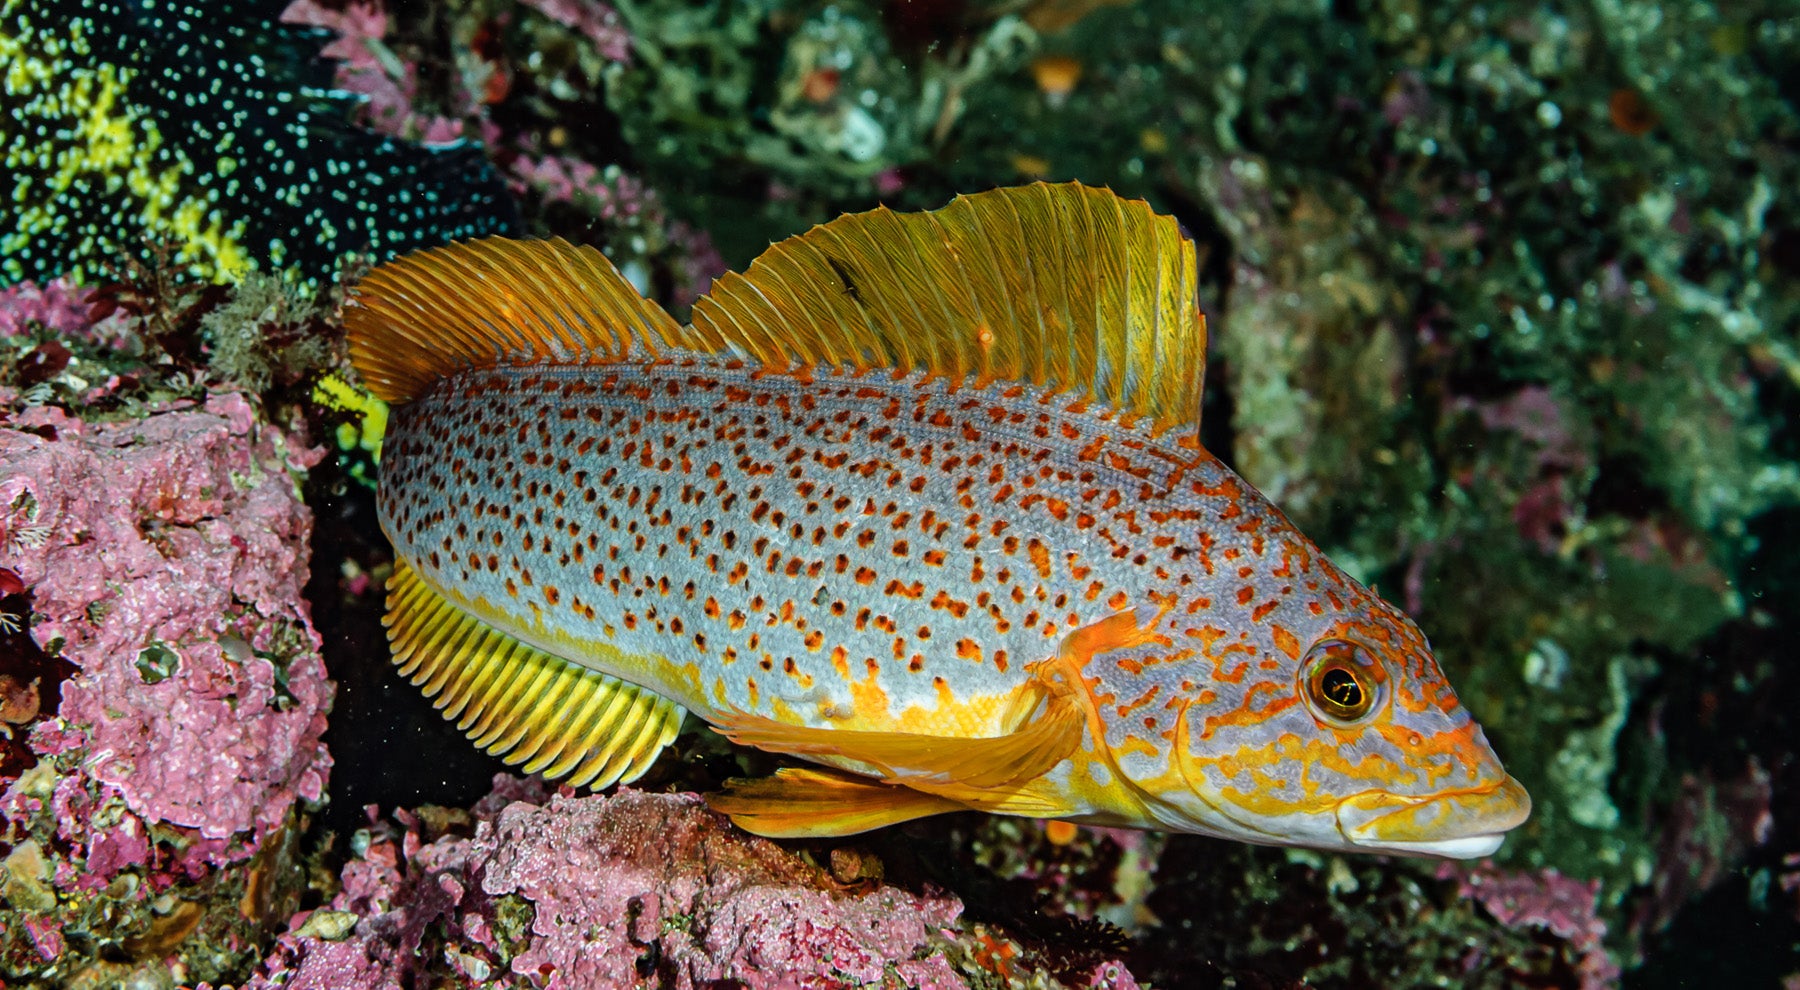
(495, 301)
(1065, 286)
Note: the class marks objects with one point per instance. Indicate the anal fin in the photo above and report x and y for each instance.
(520, 703)
(815, 803)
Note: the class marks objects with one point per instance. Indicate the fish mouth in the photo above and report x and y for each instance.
(1460, 824)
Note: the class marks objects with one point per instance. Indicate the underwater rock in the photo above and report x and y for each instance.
(149, 799)
(1312, 337)
(1565, 907)
(603, 891)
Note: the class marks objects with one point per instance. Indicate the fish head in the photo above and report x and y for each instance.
(1335, 731)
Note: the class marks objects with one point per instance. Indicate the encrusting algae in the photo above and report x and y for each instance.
(918, 498)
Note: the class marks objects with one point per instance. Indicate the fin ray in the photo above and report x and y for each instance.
(815, 803)
(1065, 286)
(518, 702)
(928, 762)
(494, 301)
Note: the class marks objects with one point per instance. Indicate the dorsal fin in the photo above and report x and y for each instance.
(1066, 286)
(495, 301)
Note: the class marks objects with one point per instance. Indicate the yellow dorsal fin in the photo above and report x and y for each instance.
(808, 803)
(519, 702)
(495, 301)
(1060, 285)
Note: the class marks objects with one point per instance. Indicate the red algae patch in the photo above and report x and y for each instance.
(171, 727)
(622, 890)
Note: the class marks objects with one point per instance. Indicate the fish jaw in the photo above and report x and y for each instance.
(1459, 824)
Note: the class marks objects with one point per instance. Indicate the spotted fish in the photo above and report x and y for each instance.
(918, 499)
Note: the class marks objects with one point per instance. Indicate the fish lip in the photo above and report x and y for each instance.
(1465, 823)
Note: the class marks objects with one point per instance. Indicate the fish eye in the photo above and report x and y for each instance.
(1343, 682)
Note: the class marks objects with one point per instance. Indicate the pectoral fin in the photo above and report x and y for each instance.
(928, 762)
(809, 803)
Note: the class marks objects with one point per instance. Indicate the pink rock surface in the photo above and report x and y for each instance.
(56, 305)
(608, 891)
(181, 697)
(167, 555)
(1564, 906)
(598, 22)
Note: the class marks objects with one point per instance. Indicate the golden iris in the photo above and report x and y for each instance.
(1343, 682)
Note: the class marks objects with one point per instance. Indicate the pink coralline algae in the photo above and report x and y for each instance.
(609, 193)
(1111, 976)
(1545, 899)
(370, 68)
(608, 891)
(168, 563)
(367, 67)
(164, 557)
(597, 22)
(57, 306)
(1712, 825)
(1544, 426)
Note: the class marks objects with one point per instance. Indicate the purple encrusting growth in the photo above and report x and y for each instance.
(622, 890)
(149, 794)
(167, 556)
(1564, 906)
(55, 304)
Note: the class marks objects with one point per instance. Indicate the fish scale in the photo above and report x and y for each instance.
(797, 539)
(947, 588)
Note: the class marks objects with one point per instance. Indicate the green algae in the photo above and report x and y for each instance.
(268, 331)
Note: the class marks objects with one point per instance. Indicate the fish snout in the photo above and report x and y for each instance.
(1461, 824)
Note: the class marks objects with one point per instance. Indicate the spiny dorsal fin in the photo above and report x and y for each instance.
(1065, 286)
(495, 301)
(520, 703)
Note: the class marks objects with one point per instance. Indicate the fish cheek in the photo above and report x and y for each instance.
(1202, 770)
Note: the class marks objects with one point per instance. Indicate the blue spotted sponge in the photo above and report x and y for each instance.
(212, 126)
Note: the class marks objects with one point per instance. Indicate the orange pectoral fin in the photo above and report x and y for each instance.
(806, 803)
(928, 762)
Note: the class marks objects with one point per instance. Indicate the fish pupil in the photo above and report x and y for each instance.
(1342, 689)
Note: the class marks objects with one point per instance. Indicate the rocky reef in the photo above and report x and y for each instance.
(536, 889)
(164, 694)
(1504, 314)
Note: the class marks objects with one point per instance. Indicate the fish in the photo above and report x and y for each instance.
(917, 499)
(213, 128)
